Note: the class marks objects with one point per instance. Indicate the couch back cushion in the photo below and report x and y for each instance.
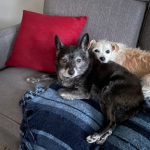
(114, 20)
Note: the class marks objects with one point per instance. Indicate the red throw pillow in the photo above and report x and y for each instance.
(35, 46)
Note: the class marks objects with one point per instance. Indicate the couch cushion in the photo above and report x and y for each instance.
(13, 86)
(144, 42)
(9, 140)
(114, 20)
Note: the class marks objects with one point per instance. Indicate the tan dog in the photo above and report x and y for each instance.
(135, 60)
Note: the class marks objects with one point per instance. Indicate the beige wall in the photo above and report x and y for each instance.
(11, 10)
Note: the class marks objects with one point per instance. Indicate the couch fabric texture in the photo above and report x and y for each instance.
(144, 41)
(115, 20)
(7, 39)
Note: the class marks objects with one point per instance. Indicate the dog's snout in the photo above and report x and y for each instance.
(102, 58)
(71, 72)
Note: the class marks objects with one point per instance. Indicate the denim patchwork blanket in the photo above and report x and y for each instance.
(51, 123)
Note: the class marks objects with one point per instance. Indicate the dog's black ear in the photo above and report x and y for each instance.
(84, 42)
(58, 43)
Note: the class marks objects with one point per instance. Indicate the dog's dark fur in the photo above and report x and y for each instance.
(119, 91)
(77, 87)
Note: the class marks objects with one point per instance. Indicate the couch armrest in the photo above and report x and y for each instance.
(7, 39)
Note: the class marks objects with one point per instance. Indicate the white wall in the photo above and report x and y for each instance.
(11, 10)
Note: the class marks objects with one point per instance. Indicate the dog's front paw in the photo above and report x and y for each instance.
(64, 94)
(101, 141)
(93, 138)
(32, 80)
(98, 138)
(104, 137)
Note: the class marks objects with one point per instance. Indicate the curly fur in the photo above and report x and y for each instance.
(135, 60)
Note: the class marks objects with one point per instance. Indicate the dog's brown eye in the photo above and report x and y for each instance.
(64, 60)
(108, 51)
(78, 60)
(96, 50)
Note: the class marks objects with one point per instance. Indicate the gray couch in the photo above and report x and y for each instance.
(126, 21)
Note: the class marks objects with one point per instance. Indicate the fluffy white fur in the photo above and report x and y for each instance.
(135, 60)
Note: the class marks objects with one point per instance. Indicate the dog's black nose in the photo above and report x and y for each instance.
(102, 58)
(71, 72)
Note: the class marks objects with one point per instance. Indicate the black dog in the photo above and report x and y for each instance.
(119, 91)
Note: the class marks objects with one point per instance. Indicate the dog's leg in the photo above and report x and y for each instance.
(71, 94)
(95, 92)
(42, 78)
(100, 136)
(114, 118)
